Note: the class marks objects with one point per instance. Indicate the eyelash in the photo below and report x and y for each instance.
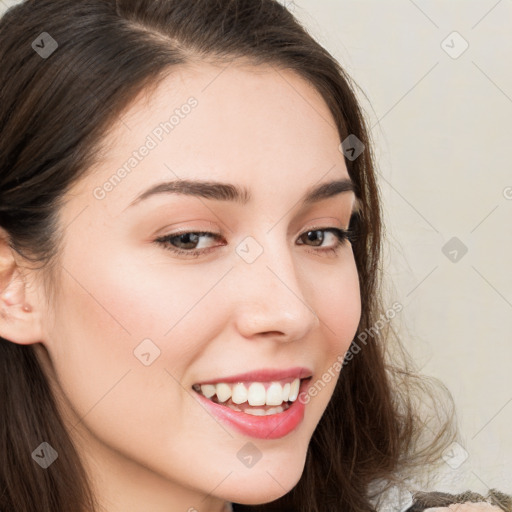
(342, 235)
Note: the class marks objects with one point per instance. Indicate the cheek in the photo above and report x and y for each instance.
(111, 320)
(108, 390)
(338, 305)
(337, 302)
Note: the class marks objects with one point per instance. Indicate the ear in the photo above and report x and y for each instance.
(19, 314)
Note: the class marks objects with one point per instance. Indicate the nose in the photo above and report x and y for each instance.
(269, 294)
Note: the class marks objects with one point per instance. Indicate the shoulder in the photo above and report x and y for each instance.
(465, 507)
(468, 501)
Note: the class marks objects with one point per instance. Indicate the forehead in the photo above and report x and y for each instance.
(236, 98)
(251, 125)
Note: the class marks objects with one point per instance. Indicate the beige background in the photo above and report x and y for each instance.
(442, 128)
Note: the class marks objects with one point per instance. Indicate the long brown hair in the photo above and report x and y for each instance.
(55, 108)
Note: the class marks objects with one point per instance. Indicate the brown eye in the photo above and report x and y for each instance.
(312, 235)
(189, 239)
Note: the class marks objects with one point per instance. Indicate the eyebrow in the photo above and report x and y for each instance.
(228, 192)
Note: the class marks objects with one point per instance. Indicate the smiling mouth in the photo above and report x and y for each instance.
(256, 398)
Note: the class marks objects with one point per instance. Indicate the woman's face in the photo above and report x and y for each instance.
(135, 326)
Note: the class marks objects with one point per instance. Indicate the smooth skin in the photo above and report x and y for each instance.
(146, 440)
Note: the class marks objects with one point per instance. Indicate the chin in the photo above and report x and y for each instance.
(262, 487)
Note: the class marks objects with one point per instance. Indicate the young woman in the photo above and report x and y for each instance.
(191, 317)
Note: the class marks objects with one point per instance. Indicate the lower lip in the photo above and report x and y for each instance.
(273, 426)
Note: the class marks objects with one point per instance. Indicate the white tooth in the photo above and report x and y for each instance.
(286, 392)
(223, 392)
(294, 390)
(239, 395)
(255, 412)
(274, 394)
(263, 412)
(257, 394)
(208, 390)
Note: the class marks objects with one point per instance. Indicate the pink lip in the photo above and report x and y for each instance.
(273, 426)
(263, 375)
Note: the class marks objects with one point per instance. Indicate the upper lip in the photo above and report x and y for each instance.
(264, 375)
